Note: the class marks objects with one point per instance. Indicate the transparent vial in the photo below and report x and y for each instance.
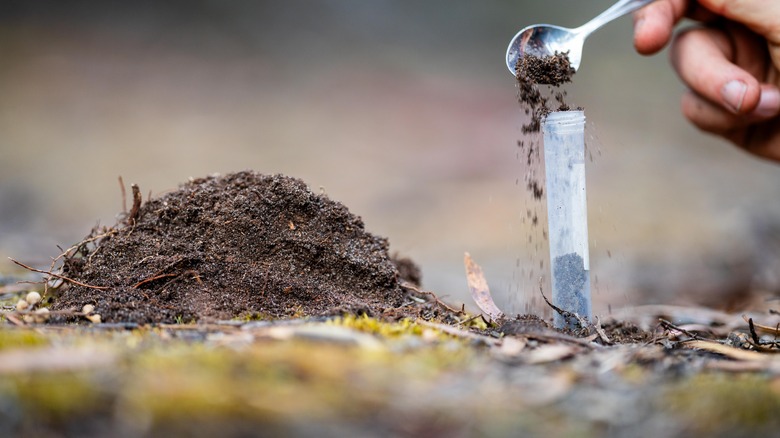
(567, 214)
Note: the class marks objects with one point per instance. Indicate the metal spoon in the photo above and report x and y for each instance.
(542, 40)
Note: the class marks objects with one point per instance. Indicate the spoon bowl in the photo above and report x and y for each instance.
(543, 40)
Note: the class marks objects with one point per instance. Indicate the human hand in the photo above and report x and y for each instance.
(731, 64)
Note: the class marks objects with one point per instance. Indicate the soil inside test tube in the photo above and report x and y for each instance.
(570, 279)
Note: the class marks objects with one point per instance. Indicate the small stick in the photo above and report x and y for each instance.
(124, 195)
(52, 274)
(133, 216)
(753, 333)
(453, 331)
(468, 320)
(14, 320)
(409, 286)
(601, 332)
(668, 325)
(73, 248)
(565, 313)
(196, 276)
(156, 277)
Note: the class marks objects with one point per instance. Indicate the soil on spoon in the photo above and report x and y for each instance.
(239, 245)
(554, 70)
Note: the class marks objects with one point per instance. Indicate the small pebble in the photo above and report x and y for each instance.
(43, 313)
(39, 317)
(95, 319)
(33, 298)
(22, 305)
(87, 309)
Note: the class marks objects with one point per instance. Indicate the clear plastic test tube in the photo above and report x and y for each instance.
(567, 213)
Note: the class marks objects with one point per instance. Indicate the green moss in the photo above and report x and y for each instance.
(718, 402)
(254, 316)
(18, 338)
(374, 326)
(56, 396)
(264, 381)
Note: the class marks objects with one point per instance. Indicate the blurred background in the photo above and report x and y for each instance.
(402, 110)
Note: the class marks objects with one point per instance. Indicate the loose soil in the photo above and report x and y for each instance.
(554, 70)
(531, 72)
(239, 245)
(539, 80)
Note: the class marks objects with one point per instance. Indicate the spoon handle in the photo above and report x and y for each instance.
(617, 10)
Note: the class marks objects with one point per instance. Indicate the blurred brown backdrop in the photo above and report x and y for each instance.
(403, 110)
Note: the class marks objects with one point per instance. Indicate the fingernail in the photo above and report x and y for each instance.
(768, 103)
(733, 94)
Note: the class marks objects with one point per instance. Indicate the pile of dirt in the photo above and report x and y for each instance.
(239, 245)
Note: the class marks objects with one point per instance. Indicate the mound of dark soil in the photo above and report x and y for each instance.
(242, 244)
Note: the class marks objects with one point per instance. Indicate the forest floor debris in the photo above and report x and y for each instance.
(396, 361)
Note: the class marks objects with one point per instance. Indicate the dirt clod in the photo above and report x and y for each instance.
(242, 244)
(554, 70)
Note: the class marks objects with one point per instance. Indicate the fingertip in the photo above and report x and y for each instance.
(768, 103)
(653, 27)
(649, 38)
(701, 56)
(742, 95)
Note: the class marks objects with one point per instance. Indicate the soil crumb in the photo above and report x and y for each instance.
(238, 245)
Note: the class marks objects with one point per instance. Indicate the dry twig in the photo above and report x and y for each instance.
(436, 299)
(124, 194)
(133, 216)
(602, 334)
(60, 276)
(175, 275)
(450, 330)
(669, 326)
(583, 323)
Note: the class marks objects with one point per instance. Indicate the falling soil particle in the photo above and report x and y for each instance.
(242, 244)
(531, 72)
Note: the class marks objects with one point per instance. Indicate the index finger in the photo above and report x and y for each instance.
(654, 24)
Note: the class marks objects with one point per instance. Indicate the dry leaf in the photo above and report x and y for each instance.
(479, 289)
(763, 328)
(550, 353)
(510, 348)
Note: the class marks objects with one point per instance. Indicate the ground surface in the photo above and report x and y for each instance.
(304, 325)
(356, 376)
